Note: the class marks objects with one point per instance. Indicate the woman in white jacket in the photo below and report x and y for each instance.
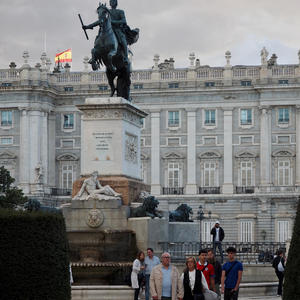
(138, 269)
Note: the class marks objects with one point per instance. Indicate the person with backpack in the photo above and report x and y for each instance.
(231, 276)
(278, 265)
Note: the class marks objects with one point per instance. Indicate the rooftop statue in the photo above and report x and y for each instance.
(111, 47)
(92, 189)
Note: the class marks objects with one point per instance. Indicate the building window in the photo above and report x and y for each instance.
(174, 85)
(68, 121)
(209, 174)
(284, 173)
(246, 83)
(210, 84)
(6, 84)
(6, 140)
(67, 177)
(283, 231)
(246, 140)
(246, 231)
(283, 139)
(246, 173)
(283, 81)
(246, 116)
(173, 119)
(67, 143)
(6, 118)
(173, 141)
(173, 175)
(283, 115)
(209, 140)
(210, 117)
(103, 88)
(69, 89)
(138, 86)
(206, 228)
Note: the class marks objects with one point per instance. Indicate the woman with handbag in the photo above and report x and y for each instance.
(138, 274)
(194, 282)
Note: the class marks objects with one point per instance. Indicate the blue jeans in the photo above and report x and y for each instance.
(219, 245)
(147, 287)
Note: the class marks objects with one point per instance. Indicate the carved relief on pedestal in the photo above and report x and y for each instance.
(95, 218)
(131, 148)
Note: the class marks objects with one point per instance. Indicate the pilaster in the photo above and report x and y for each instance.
(155, 152)
(191, 186)
(297, 145)
(265, 146)
(228, 167)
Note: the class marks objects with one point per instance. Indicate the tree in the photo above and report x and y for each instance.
(292, 271)
(10, 196)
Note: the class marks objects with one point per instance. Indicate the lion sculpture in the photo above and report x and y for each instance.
(181, 214)
(147, 209)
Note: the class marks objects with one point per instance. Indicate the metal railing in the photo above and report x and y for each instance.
(60, 192)
(245, 189)
(209, 190)
(173, 190)
(251, 253)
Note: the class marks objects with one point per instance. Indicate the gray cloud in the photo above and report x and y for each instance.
(170, 28)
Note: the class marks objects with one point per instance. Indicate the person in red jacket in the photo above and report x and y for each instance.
(206, 269)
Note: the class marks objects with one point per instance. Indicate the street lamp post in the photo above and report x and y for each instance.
(201, 217)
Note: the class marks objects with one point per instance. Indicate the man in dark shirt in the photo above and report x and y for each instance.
(218, 235)
(231, 276)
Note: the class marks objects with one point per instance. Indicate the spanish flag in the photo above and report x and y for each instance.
(63, 57)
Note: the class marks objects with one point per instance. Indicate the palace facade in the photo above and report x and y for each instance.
(226, 138)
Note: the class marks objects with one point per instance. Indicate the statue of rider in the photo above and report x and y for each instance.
(122, 31)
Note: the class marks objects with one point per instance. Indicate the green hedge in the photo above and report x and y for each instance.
(34, 263)
(291, 289)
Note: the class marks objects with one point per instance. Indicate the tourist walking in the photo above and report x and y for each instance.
(194, 282)
(278, 265)
(217, 268)
(231, 276)
(150, 262)
(165, 282)
(207, 269)
(138, 274)
(218, 236)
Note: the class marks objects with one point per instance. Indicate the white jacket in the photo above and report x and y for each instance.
(136, 267)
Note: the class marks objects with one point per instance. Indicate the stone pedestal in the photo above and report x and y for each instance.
(150, 232)
(110, 142)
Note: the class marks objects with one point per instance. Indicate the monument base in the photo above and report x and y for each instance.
(129, 188)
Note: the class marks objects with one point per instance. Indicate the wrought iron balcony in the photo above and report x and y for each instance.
(60, 192)
(209, 190)
(173, 190)
(245, 189)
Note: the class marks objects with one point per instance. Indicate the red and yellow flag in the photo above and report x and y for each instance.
(63, 57)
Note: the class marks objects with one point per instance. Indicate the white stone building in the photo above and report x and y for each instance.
(226, 138)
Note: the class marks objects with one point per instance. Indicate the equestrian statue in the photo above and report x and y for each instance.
(111, 47)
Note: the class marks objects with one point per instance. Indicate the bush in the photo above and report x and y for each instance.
(34, 263)
(292, 271)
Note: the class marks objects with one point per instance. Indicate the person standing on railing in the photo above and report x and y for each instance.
(218, 236)
(278, 265)
(232, 272)
(150, 262)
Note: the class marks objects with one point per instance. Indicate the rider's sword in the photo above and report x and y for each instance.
(83, 25)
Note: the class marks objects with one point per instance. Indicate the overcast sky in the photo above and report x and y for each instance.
(170, 28)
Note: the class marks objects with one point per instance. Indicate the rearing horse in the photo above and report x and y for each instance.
(108, 51)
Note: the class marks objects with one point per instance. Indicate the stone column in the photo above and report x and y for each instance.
(44, 146)
(191, 186)
(155, 152)
(51, 143)
(297, 182)
(265, 146)
(228, 185)
(24, 151)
